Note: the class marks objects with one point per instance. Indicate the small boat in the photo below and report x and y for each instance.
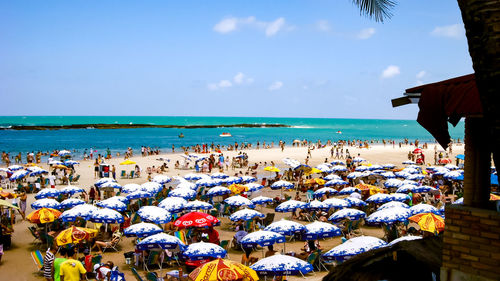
(181, 135)
(339, 132)
(225, 135)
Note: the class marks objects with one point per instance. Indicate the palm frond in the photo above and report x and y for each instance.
(376, 9)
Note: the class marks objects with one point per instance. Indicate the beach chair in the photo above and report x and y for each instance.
(123, 174)
(75, 179)
(153, 259)
(320, 261)
(224, 244)
(312, 259)
(115, 240)
(36, 239)
(131, 175)
(38, 259)
(152, 276)
(136, 274)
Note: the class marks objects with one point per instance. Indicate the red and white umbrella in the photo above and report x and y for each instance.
(196, 219)
(417, 150)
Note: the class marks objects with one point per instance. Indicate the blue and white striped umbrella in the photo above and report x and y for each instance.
(138, 195)
(281, 265)
(160, 241)
(120, 198)
(285, 227)
(354, 246)
(193, 177)
(332, 177)
(142, 229)
(71, 162)
(154, 214)
(188, 185)
(106, 216)
(347, 213)
(19, 174)
(103, 180)
(339, 168)
(46, 203)
(322, 191)
(110, 184)
(335, 182)
(47, 192)
(404, 238)
(197, 205)
(402, 174)
(208, 182)
(354, 175)
(358, 160)
(361, 169)
(261, 200)
(162, 179)
(409, 182)
(337, 162)
(317, 230)
(63, 152)
(282, 184)
(393, 204)
(112, 204)
(239, 201)
(151, 187)
(15, 167)
(246, 214)
(393, 183)
(317, 205)
(416, 177)
(451, 167)
(254, 187)
(336, 203)
(355, 202)
(439, 171)
(219, 176)
(453, 175)
(423, 208)
(290, 206)
(37, 171)
(325, 168)
(406, 188)
(80, 211)
(173, 204)
(348, 190)
(412, 170)
(441, 210)
(218, 191)
(424, 188)
(130, 187)
(389, 216)
(399, 197)
(375, 167)
(379, 198)
(71, 189)
(388, 175)
(409, 162)
(55, 162)
(261, 238)
(389, 166)
(71, 202)
(248, 179)
(185, 193)
(202, 250)
(231, 180)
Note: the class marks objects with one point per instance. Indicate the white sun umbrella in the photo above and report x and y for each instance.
(239, 201)
(410, 182)
(389, 166)
(423, 208)
(336, 203)
(106, 216)
(197, 205)
(71, 202)
(202, 250)
(379, 198)
(375, 167)
(389, 216)
(19, 174)
(80, 211)
(151, 187)
(15, 167)
(162, 179)
(193, 177)
(325, 168)
(404, 238)
(63, 152)
(219, 176)
(355, 202)
(261, 200)
(388, 175)
(245, 214)
(393, 183)
(248, 179)
(208, 182)
(71, 162)
(361, 168)
(402, 174)
(322, 191)
(332, 177)
(103, 180)
(130, 187)
(139, 194)
(411, 170)
(173, 204)
(254, 187)
(358, 159)
(409, 162)
(317, 205)
(46, 203)
(291, 162)
(55, 162)
(398, 197)
(285, 227)
(393, 204)
(36, 171)
(281, 265)
(282, 184)
(416, 177)
(186, 184)
(354, 175)
(154, 214)
(71, 189)
(354, 246)
(348, 190)
(218, 191)
(339, 168)
(335, 182)
(406, 188)
(160, 240)
(451, 167)
(112, 204)
(231, 180)
(347, 213)
(110, 184)
(185, 193)
(319, 229)
(119, 198)
(290, 206)
(142, 229)
(262, 238)
(337, 162)
(47, 192)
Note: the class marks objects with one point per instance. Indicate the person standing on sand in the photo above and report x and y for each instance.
(56, 268)
(113, 171)
(71, 269)
(48, 262)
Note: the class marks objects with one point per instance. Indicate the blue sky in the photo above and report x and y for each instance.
(284, 58)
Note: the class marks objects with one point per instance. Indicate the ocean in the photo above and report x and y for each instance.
(118, 140)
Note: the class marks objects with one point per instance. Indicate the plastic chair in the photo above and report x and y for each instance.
(152, 276)
(136, 274)
(38, 259)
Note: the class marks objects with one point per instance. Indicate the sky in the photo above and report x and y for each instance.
(284, 58)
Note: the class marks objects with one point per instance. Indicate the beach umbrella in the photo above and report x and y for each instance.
(188, 185)
(37, 171)
(261, 200)
(219, 176)
(245, 214)
(70, 163)
(239, 201)
(110, 184)
(453, 175)
(130, 188)
(4, 203)
(196, 219)
(106, 216)
(336, 203)
(399, 197)
(261, 238)
(208, 182)
(378, 198)
(388, 175)
(71, 202)
(410, 170)
(409, 162)
(347, 213)
(80, 211)
(409, 182)
(282, 184)
(335, 182)
(389, 216)
(103, 180)
(57, 164)
(353, 246)
(404, 238)
(423, 208)
(393, 183)
(354, 175)
(15, 167)
(64, 153)
(47, 192)
(127, 162)
(402, 174)
(317, 205)
(254, 187)
(416, 177)
(173, 204)
(162, 179)
(317, 230)
(424, 188)
(406, 188)
(451, 167)
(280, 265)
(202, 250)
(218, 191)
(272, 169)
(197, 205)
(290, 206)
(160, 241)
(337, 162)
(358, 160)
(339, 168)
(231, 180)
(389, 166)
(138, 195)
(361, 169)
(237, 188)
(349, 190)
(151, 187)
(223, 269)
(393, 204)
(459, 201)
(185, 193)
(71, 189)
(285, 227)
(154, 214)
(46, 203)
(325, 168)
(332, 177)
(112, 204)
(355, 202)
(43, 215)
(119, 198)
(75, 235)
(193, 177)
(428, 222)
(248, 179)
(142, 229)
(322, 191)
(19, 174)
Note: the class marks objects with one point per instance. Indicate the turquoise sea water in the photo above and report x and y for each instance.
(119, 139)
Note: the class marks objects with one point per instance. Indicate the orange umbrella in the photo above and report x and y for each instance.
(223, 270)
(43, 215)
(429, 222)
(238, 188)
(74, 235)
(315, 181)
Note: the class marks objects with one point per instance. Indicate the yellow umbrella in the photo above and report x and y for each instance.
(74, 235)
(429, 222)
(223, 270)
(7, 204)
(43, 215)
(238, 188)
(127, 162)
(314, 171)
(271, 169)
(315, 181)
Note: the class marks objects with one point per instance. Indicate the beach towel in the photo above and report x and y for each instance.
(37, 258)
(181, 235)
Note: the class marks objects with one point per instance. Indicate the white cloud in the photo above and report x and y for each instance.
(225, 84)
(323, 25)
(390, 71)
(230, 24)
(276, 85)
(238, 79)
(241, 78)
(421, 74)
(455, 31)
(212, 86)
(366, 33)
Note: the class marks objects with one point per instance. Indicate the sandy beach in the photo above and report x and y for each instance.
(17, 263)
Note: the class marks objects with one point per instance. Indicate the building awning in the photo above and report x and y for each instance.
(442, 102)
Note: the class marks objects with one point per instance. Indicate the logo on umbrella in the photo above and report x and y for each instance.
(227, 274)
